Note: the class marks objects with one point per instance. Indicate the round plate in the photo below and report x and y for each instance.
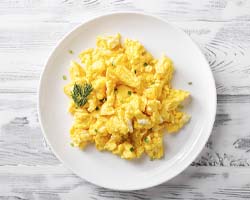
(103, 168)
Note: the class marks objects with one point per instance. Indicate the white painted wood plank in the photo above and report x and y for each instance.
(47, 182)
(24, 49)
(21, 140)
(77, 10)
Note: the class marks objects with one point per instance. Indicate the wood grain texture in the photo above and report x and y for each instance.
(229, 143)
(195, 183)
(21, 139)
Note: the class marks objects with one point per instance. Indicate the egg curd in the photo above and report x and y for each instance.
(122, 99)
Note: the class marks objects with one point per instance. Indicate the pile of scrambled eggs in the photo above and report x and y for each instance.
(121, 99)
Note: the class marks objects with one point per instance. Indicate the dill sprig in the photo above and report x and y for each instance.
(80, 93)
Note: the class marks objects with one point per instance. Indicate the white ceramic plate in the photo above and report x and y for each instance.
(105, 169)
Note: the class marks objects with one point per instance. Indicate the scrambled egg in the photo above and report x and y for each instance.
(129, 102)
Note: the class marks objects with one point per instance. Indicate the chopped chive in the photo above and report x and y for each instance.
(135, 71)
(146, 140)
(129, 92)
(64, 77)
(71, 144)
(180, 106)
(113, 64)
(71, 52)
(145, 64)
(131, 149)
(96, 130)
(190, 83)
(97, 108)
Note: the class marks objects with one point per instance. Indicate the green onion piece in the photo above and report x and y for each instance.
(180, 106)
(64, 77)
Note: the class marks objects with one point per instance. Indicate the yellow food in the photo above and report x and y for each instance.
(131, 100)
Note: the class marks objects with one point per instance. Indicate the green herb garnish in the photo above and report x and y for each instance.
(145, 64)
(71, 52)
(146, 140)
(96, 130)
(64, 77)
(129, 92)
(113, 64)
(190, 83)
(131, 149)
(135, 71)
(80, 94)
(71, 144)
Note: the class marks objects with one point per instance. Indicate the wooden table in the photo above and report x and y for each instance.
(29, 29)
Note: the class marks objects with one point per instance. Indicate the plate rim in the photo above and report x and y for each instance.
(192, 157)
